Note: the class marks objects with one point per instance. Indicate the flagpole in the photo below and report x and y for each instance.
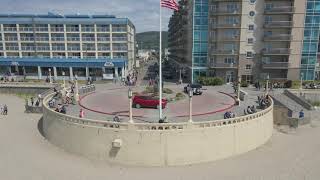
(160, 67)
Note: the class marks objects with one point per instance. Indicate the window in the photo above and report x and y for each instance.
(248, 67)
(252, 13)
(229, 60)
(250, 40)
(249, 54)
(251, 27)
(252, 1)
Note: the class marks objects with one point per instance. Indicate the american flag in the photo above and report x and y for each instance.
(171, 4)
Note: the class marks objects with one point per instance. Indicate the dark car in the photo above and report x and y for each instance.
(148, 101)
(195, 87)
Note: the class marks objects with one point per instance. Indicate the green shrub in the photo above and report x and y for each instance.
(167, 91)
(179, 96)
(149, 89)
(210, 81)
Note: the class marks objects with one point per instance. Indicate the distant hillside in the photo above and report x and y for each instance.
(150, 40)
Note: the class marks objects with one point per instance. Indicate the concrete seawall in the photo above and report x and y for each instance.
(157, 144)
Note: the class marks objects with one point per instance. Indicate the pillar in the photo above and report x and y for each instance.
(103, 70)
(39, 73)
(116, 72)
(123, 72)
(9, 69)
(55, 74)
(71, 73)
(87, 72)
(24, 70)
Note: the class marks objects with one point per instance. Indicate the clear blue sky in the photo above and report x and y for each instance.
(143, 13)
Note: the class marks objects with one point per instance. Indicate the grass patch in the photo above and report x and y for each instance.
(167, 91)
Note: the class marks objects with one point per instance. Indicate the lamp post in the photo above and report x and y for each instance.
(50, 76)
(130, 105)
(180, 76)
(238, 91)
(301, 82)
(190, 104)
(267, 85)
(76, 96)
(64, 79)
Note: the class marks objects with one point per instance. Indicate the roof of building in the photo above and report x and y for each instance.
(52, 18)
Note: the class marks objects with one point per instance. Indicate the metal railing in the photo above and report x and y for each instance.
(278, 37)
(276, 51)
(275, 65)
(279, 9)
(277, 24)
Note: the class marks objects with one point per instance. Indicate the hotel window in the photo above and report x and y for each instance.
(229, 60)
(231, 20)
(249, 54)
(251, 27)
(248, 67)
(250, 40)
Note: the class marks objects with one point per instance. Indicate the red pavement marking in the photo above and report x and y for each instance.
(123, 115)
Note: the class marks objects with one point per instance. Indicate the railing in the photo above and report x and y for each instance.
(278, 37)
(225, 51)
(43, 48)
(87, 29)
(11, 38)
(119, 38)
(73, 38)
(275, 65)
(60, 29)
(88, 39)
(86, 48)
(223, 65)
(9, 29)
(58, 48)
(12, 48)
(226, 38)
(72, 29)
(234, 25)
(26, 38)
(103, 48)
(26, 29)
(119, 48)
(276, 51)
(42, 38)
(41, 29)
(28, 48)
(278, 24)
(119, 29)
(279, 9)
(103, 39)
(71, 48)
(51, 114)
(57, 38)
(226, 11)
(103, 29)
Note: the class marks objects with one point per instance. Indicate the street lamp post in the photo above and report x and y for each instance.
(190, 104)
(301, 83)
(180, 76)
(267, 85)
(76, 96)
(238, 91)
(50, 75)
(130, 105)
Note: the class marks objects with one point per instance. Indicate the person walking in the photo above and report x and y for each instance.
(81, 114)
(32, 101)
(5, 110)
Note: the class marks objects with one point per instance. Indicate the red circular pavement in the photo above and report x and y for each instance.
(115, 101)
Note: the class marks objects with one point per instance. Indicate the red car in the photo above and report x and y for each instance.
(148, 101)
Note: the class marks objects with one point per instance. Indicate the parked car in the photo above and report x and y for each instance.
(195, 87)
(148, 101)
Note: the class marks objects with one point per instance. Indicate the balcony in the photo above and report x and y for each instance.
(225, 26)
(72, 29)
(57, 38)
(103, 39)
(103, 29)
(58, 48)
(119, 38)
(276, 51)
(218, 12)
(223, 66)
(119, 29)
(11, 38)
(102, 48)
(115, 48)
(28, 48)
(278, 37)
(225, 52)
(278, 24)
(73, 48)
(280, 10)
(41, 29)
(9, 29)
(26, 38)
(275, 65)
(225, 38)
(12, 48)
(42, 38)
(26, 29)
(57, 29)
(88, 39)
(73, 38)
(43, 48)
(88, 48)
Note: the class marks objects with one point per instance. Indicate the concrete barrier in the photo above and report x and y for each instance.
(298, 100)
(151, 144)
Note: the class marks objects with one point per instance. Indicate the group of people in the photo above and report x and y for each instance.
(250, 110)
(4, 110)
(33, 102)
(264, 101)
(228, 115)
(132, 78)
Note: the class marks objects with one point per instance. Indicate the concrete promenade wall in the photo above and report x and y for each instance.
(157, 144)
(24, 88)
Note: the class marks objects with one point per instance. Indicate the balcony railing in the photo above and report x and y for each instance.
(73, 38)
(87, 29)
(57, 38)
(9, 29)
(103, 29)
(11, 38)
(223, 65)
(103, 39)
(12, 48)
(84, 48)
(72, 48)
(225, 25)
(58, 48)
(119, 48)
(278, 37)
(103, 48)
(279, 10)
(42, 38)
(26, 29)
(57, 29)
(225, 52)
(119, 29)
(275, 65)
(43, 48)
(41, 29)
(226, 11)
(226, 38)
(119, 38)
(277, 24)
(28, 48)
(26, 38)
(88, 39)
(72, 29)
(276, 51)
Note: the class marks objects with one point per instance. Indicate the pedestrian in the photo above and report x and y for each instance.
(5, 110)
(32, 101)
(81, 113)
(301, 114)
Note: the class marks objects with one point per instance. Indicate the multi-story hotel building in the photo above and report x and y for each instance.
(250, 39)
(83, 45)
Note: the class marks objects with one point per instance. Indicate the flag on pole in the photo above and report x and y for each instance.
(171, 4)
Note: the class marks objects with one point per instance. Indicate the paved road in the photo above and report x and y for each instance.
(25, 154)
